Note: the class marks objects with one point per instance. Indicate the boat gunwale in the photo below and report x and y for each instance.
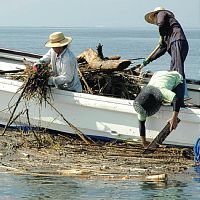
(7, 52)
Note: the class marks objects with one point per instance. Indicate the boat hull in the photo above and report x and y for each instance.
(96, 115)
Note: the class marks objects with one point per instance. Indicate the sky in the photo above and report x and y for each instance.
(93, 13)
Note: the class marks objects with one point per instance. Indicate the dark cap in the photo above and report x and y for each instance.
(149, 101)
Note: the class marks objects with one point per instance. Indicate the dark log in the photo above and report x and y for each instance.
(95, 62)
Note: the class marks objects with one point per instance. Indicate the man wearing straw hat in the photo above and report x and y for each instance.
(64, 64)
(172, 40)
(164, 86)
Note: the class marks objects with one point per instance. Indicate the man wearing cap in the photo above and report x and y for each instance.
(172, 40)
(164, 86)
(64, 64)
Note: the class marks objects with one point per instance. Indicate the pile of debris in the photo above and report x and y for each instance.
(64, 155)
(107, 76)
(36, 83)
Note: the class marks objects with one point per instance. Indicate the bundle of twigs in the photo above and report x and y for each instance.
(35, 84)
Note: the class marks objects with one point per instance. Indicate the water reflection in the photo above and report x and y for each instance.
(52, 187)
(29, 187)
(165, 190)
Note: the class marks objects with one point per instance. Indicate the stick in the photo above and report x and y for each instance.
(152, 53)
(86, 139)
(11, 71)
(13, 119)
(136, 58)
(82, 77)
(27, 115)
(14, 52)
(18, 101)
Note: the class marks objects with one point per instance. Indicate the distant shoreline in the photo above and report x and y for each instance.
(98, 27)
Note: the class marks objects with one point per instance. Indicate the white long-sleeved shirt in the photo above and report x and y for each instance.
(64, 68)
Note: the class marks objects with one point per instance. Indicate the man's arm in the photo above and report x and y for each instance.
(142, 131)
(159, 50)
(178, 101)
(174, 120)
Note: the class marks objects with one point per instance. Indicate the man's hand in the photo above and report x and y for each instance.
(140, 66)
(145, 62)
(173, 122)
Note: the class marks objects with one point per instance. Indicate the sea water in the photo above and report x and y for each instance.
(129, 43)
(17, 187)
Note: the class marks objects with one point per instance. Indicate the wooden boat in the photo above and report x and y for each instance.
(98, 116)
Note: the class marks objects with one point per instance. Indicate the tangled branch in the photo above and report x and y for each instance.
(37, 86)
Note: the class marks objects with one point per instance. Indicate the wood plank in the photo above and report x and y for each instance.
(159, 139)
(11, 71)
(19, 53)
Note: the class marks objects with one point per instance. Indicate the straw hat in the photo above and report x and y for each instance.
(150, 17)
(57, 39)
(149, 101)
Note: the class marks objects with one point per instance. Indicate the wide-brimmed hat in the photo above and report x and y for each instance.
(150, 17)
(57, 39)
(149, 101)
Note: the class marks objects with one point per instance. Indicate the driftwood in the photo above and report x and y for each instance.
(123, 84)
(105, 75)
(158, 140)
(95, 62)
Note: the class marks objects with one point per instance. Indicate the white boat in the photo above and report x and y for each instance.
(98, 116)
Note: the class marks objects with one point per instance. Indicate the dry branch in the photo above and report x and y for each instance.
(106, 76)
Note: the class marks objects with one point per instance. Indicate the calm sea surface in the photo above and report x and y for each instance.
(61, 188)
(126, 42)
(129, 43)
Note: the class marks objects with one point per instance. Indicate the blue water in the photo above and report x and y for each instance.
(128, 43)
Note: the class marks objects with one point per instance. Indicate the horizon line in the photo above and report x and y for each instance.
(142, 27)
